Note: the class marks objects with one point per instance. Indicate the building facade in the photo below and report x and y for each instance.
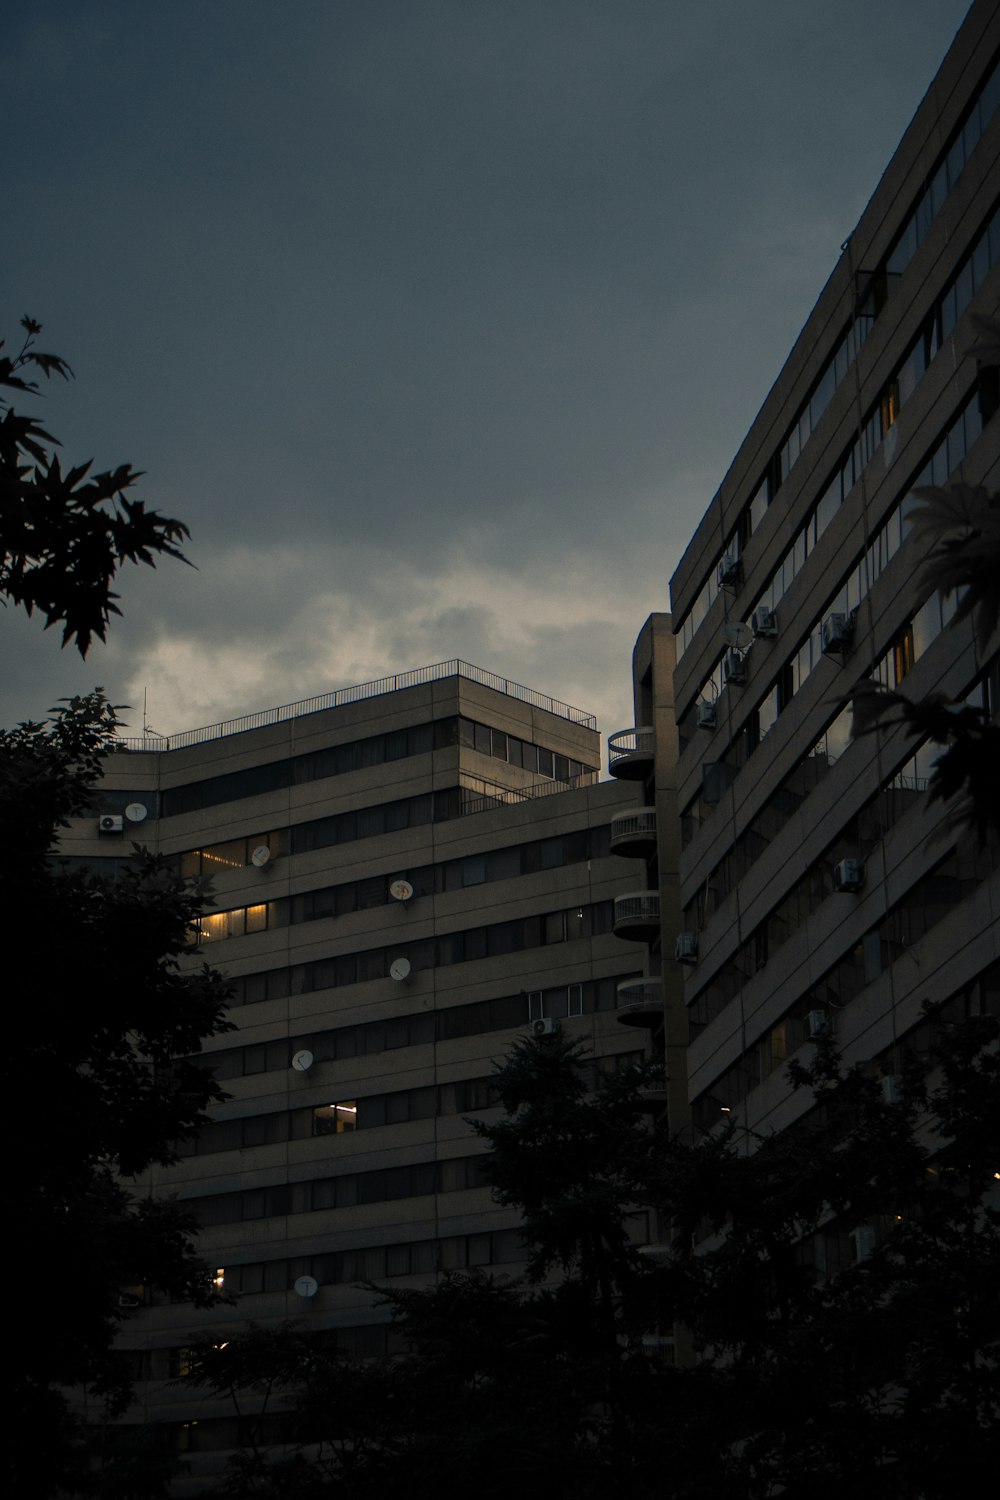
(646, 755)
(819, 891)
(405, 878)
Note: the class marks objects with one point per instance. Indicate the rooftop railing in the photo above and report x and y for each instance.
(357, 694)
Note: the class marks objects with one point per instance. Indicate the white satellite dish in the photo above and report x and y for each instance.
(401, 890)
(399, 969)
(136, 812)
(307, 1286)
(303, 1061)
(738, 635)
(260, 856)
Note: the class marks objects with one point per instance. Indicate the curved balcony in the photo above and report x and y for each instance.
(637, 916)
(634, 833)
(630, 753)
(639, 1002)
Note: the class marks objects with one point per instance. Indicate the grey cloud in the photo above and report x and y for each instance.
(401, 291)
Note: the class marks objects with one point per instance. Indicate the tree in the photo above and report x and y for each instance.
(101, 1021)
(531, 1386)
(844, 1289)
(66, 534)
(101, 1024)
(838, 1279)
(958, 528)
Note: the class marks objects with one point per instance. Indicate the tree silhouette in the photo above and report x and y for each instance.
(66, 533)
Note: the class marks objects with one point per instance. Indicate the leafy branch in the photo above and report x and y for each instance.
(66, 534)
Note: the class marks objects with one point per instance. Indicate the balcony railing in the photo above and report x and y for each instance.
(481, 795)
(634, 833)
(637, 916)
(639, 1002)
(630, 752)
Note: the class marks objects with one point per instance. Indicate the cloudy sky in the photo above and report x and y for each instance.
(438, 321)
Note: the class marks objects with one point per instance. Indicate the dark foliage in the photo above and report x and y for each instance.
(98, 1023)
(66, 533)
(965, 774)
(815, 1371)
(959, 529)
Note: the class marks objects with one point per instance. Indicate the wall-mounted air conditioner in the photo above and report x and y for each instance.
(706, 715)
(818, 1023)
(686, 948)
(109, 823)
(728, 570)
(838, 633)
(848, 875)
(863, 1241)
(892, 1092)
(544, 1026)
(734, 668)
(764, 623)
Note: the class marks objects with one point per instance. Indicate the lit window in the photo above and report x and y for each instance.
(335, 1119)
(902, 654)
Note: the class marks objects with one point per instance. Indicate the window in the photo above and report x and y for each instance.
(335, 1119)
(903, 654)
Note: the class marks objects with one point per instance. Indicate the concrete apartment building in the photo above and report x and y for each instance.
(407, 876)
(813, 896)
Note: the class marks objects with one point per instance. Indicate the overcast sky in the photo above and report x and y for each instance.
(437, 321)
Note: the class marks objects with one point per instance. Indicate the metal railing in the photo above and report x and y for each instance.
(644, 992)
(480, 795)
(639, 741)
(641, 908)
(357, 694)
(626, 827)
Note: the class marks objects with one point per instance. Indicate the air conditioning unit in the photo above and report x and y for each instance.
(110, 823)
(706, 715)
(818, 1023)
(892, 1092)
(848, 875)
(686, 948)
(728, 570)
(734, 668)
(544, 1026)
(764, 623)
(838, 633)
(863, 1241)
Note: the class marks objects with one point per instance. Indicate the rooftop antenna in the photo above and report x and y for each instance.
(147, 728)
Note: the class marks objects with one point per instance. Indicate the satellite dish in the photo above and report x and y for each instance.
(302, 1061)
(307, 1286)
(136, 812)
(401, 890)
(738, 635)
(399, 969)
(260, 856)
